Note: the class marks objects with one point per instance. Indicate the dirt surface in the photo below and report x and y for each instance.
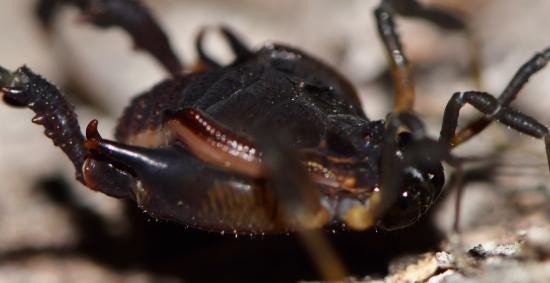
(52, 229)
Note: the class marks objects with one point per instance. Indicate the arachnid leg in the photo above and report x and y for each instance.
(399, 65)
(237, 45)
(23, 88)
(299, 199)
(490, 106)
(437, 16)
(400, 68)
(536, 63)
(130, 15)
(205, 61)
(446, 20)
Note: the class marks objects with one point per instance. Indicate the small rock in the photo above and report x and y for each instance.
(442, 277)
(445, 260)
(418, 271)
(506, 250)
(538, 239)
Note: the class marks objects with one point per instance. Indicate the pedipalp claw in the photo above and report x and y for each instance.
(93, 138)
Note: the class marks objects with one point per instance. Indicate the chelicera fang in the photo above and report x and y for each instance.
(273, 142)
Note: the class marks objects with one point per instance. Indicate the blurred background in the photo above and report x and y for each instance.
(42, 238)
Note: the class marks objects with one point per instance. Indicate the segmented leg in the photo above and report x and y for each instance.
(439, 17)
(400, 67)
(510, 93)
(494, 110)
(448, 21)
(457, 182)
(23, 88)
(130, 15)
(205, 61)
(299, 196)
(237, 45)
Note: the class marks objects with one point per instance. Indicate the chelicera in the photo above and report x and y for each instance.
(275, 141)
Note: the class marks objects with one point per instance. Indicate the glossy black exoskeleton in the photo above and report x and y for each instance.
(274, 141)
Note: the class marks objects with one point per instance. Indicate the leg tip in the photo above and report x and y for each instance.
(13, 86)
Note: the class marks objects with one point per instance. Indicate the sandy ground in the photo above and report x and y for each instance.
(102, 67)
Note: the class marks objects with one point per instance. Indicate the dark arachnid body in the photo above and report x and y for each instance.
(272, 89)
(275, 141)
